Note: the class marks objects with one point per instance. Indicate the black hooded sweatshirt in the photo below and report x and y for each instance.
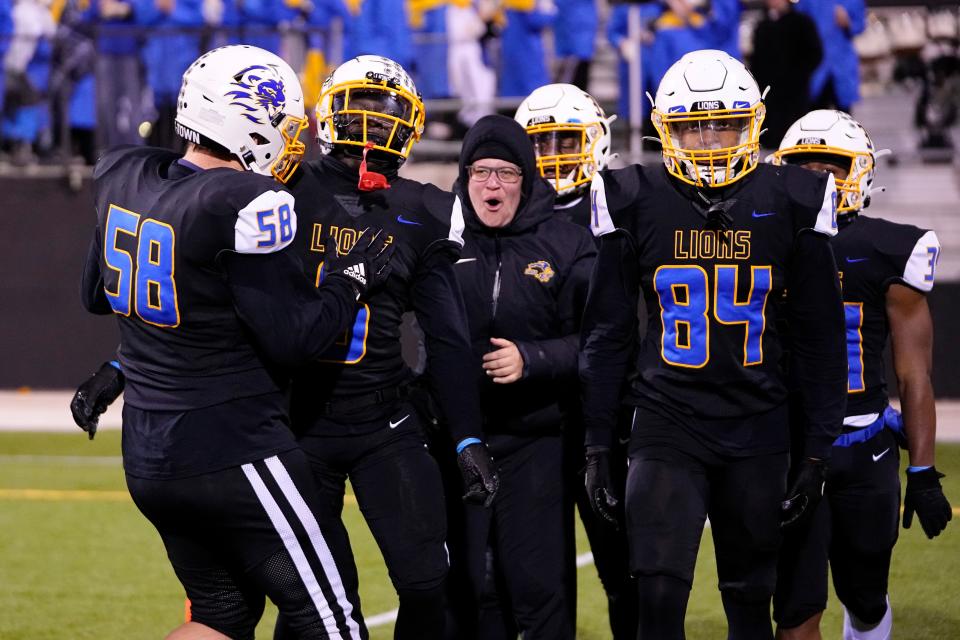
(527, 283)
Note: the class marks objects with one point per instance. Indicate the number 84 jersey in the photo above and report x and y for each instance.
(871, 255)
(712, 295)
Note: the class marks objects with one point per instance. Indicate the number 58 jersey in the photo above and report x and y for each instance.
(711, 356)
(161, 224)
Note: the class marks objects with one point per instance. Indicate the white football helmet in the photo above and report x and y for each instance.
(370, 100)
(708, 113)
(833, 136)
(247, 101)
(570, 135)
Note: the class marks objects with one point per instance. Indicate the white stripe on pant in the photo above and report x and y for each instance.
(296, 552)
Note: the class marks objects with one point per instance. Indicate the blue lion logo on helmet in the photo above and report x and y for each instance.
(256, 92)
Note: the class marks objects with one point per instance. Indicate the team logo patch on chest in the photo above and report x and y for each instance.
(541, 270)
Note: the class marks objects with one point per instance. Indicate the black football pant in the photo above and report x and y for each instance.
(237, 535)
(671, 489)
(399, 491)
(515, 551)
(855, 528)
(607, 544)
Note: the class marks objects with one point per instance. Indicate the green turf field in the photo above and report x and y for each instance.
(77, 560)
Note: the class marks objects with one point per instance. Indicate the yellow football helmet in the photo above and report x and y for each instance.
(708, 113)
(835, 137)
(570, 135)
(370, 99)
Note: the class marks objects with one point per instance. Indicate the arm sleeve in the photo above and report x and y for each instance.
(292, 321)
(818, 341)
(557, 358)
(858, 16)
(607, 336)
(91, 284)
(438, 303)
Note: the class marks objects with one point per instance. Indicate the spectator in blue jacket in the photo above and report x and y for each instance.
(26, 66)
(119, 84)
(672, 28)
(6, 32)
(430, 63)
(166, 56)
(378, 27)
(836, 82)
(523, 64)
(574, 34)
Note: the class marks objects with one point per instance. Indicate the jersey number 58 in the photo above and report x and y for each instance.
(144, 280)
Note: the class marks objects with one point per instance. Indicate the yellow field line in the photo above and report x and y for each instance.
(91, 495)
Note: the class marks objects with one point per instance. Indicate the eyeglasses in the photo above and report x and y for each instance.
(506, 175)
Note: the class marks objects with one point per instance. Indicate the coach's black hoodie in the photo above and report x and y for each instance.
(527, 283)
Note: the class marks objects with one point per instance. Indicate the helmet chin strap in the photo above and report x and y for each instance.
(370, 180)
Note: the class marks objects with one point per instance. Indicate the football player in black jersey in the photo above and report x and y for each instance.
(886, 270)
(711, 240)
(188, 255)
(351, 414)
(571, 139)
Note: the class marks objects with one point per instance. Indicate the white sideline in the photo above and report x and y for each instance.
(31, 410)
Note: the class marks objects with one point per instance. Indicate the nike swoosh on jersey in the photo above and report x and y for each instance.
(853, 260)
(462, 260)
(394, 425)
(758, 214)
(881, 454)
(403, 220)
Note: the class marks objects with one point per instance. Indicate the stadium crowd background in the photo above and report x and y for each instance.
(80, 76)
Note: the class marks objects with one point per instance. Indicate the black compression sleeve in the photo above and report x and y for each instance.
(292, 321)
(438, 304)
(818, 341)
(607, 336)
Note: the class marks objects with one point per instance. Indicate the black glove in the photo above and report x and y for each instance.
(479, 474)
(366, 265)
(599, 485)
(925, 497)
(804, 493)
(95, 395)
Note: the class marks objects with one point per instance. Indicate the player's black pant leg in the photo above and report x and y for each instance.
(666, 506)
(526, 534)
(236, 535)
(865, 502)
(745, 497)
(400, 492)
(317, 565)
(610, 554)
(330, 484)
(801, 590)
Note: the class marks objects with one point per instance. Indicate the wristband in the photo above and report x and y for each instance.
(466, 442)
(116, 365)
(912, 469)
